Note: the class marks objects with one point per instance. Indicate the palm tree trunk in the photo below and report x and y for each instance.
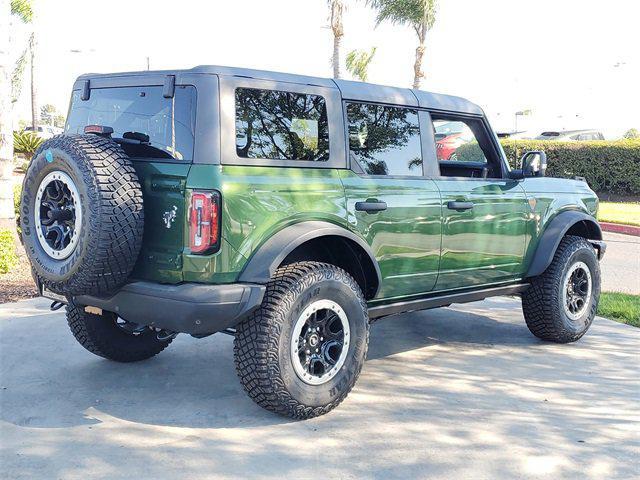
(337, 41)
(337, 8)
(6, 124)
(34, 91)
(418, 74)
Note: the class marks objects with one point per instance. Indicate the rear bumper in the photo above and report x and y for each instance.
(193, 308)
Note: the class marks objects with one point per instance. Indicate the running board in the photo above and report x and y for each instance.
(445, 299)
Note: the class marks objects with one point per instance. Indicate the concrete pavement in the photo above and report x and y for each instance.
(458, 393)
(621, 264)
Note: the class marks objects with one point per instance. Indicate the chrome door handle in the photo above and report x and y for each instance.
(371, 206)
(460, 206)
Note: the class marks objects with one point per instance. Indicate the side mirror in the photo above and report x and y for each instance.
(534, 163)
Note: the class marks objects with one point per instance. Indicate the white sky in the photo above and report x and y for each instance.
(555, 57)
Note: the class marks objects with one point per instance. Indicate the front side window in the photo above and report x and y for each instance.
(464, 148)
(456, 141)
(385, 140)
(149, 125)
(281, 125)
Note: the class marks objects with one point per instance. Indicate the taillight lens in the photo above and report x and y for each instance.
(204, 222)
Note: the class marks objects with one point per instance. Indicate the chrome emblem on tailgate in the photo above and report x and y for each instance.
(169, 216)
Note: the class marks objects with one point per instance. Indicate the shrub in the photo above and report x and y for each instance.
(608, 167)
(26, 143)
(8, 256)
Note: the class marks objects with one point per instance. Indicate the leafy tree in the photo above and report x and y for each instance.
(50, 115)
(336, 9)
(631, 134)
(358, 63)
(418, 14)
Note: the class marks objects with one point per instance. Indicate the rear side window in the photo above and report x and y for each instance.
(279, 125)
(145, 123)
(385, 140)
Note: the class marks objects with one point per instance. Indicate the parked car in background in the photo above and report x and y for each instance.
(521, 135)
(44, 131)
(449, 137)
(572, 135)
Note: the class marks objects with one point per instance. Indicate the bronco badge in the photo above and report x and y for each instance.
(169, 216)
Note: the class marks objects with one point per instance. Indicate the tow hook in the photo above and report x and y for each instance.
(56, 305)
(165, 335)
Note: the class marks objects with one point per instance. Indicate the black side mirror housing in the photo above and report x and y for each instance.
(534, 164)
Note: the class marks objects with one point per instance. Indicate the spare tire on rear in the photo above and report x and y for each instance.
(81, 215)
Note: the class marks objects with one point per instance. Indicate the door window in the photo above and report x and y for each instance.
(281, 125)
(385, 140)
(463, 148)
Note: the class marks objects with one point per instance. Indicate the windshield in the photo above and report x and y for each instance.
(169, 123)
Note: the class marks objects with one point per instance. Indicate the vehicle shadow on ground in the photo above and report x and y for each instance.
(192, 383)
(439, 386)
(415, 330)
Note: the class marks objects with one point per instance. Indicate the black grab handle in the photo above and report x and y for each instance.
(371, 206)
(460, 205)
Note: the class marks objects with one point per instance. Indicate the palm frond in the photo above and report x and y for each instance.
(17, 75)
(417, 13)
(22, 9)
(358, 63)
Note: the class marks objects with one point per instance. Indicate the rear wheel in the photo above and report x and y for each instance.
(561, 303)
(111, 337)
(301, 352)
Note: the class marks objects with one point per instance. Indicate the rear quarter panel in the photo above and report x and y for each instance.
(257, 202)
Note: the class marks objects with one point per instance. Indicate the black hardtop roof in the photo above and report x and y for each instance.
(350, 90)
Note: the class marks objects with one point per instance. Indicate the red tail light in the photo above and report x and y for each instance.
(204, 222)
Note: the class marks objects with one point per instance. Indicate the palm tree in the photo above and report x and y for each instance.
(358, 63)
(22, 10)
(336, 9)
(418, 14)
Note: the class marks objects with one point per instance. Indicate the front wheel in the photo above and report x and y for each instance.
(301, 352)
(561, 303)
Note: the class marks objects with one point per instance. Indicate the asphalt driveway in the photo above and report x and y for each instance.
(463, 392)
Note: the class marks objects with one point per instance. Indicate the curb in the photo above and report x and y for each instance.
(618, 228)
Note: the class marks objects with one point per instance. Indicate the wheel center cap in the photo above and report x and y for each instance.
(313, 340)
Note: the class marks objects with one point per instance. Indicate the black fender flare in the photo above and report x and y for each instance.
(553, 234)
(264, 262)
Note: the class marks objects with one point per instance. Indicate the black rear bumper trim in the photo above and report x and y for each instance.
(192, 308)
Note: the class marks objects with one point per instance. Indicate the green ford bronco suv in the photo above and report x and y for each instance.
(290, 211)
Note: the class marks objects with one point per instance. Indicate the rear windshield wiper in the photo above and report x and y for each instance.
(134, 138)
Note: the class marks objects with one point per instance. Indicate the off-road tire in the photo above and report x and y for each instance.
(110, 232)
(261, 347)
(542, 304)
(101, 336)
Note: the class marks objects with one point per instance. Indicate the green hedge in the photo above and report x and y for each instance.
(8, 256)
(609, 167)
